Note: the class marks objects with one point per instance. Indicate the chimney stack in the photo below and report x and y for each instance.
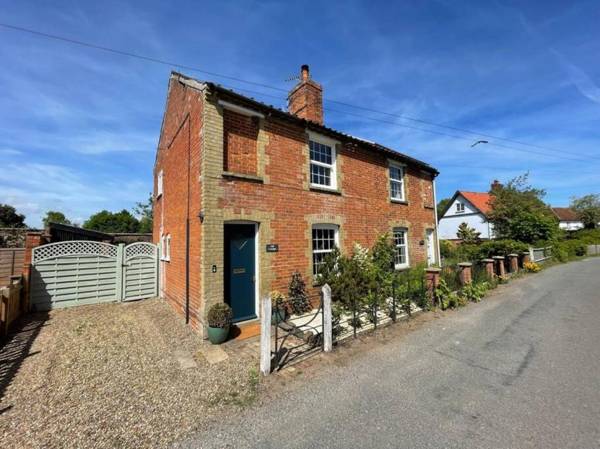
(305, 100)
(496, 185)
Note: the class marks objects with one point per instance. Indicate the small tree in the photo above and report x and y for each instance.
(9, 218)
(53, 216)
(467, 234)
(587, 209)
(297, 295)
(106, 221)
(518, 212)
(144, 212)
(441, 206)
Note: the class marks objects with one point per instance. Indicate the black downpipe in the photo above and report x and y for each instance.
(187, 225)
(187, 214)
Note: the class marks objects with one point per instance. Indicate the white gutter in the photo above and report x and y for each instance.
(437, 234)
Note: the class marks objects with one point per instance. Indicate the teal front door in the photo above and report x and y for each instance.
(240, 270)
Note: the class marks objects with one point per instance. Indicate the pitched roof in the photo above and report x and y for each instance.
(481, 200)
(279, 113)
(565, 214)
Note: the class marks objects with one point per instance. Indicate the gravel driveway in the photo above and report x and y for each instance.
(114, 375)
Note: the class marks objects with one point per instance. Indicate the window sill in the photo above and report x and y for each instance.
(396, 201)
(401, 267)
(242, 176)
(316, 188)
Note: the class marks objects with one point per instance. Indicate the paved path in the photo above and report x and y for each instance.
(519, 370)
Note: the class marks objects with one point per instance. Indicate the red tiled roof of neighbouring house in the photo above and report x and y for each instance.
(481, 200)
(565, 214)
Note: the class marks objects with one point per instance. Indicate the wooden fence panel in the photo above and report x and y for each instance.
(11, 263)
(10, 305)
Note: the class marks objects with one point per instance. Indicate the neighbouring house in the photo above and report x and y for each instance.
(466, 207)
(567, 219)
(245, 194)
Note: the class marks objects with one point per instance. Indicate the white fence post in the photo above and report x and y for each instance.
(265, 335)
(120, 268)
(327, 319)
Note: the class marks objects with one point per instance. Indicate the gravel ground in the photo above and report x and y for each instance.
(109, 376)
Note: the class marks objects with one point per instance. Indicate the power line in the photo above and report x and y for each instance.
(499, 145)
(266, 86)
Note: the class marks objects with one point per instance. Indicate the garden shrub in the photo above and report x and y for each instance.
(297, 295)
(501, 248)
(531, 267)
(474, 291)
(219, 315)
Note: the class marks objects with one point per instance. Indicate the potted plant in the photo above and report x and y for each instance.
(219, 321)
(278, 307)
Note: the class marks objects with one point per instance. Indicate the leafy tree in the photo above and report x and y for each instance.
(105, 221)
(53, 216)
(588, 210)
(467, 234)
(518, 212)
(144, 212)
(9, 218)
(441, 206)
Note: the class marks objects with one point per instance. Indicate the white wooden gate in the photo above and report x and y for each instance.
(67, 274)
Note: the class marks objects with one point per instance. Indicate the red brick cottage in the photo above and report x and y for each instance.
(245, 194)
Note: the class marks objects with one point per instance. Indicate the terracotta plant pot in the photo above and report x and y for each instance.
(218, 335)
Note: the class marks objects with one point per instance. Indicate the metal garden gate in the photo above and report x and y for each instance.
(71, 273)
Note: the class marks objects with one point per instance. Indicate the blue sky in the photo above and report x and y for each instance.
(79, 127)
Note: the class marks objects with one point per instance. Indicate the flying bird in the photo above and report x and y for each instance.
(478, 142)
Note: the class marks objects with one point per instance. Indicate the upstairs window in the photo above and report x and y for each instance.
(324, 240)
(322, 164)
(397, 182)
(159, 184)
(401, 248)
(460, 207)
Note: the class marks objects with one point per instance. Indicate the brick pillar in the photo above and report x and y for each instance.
(432, 280)
(489, 267)
(465, 272)
(499, 262)
(514, 262)
(32, 239)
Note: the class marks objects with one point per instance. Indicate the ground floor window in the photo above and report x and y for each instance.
(401, 248)
(324, 240)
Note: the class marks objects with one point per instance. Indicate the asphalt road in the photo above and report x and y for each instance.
(519, 370)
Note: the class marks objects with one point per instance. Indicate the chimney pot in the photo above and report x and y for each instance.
(304, 72)
(305, 100)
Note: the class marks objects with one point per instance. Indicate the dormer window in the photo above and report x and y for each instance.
(322, 162)
(460, 207)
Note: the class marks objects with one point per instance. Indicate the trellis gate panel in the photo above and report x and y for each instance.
(71, 273)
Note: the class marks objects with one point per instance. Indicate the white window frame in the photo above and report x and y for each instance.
(313, 251)
(402, 168)
(460, 207)
(406, 264)
(168, 252)
(165, 250)
(159, 184)
(333, 167)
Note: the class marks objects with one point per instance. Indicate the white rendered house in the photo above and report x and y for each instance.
(466, 207)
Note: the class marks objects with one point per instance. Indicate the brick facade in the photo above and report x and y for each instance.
(253, 166)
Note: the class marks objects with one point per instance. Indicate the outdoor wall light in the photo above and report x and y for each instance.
(201, 216)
